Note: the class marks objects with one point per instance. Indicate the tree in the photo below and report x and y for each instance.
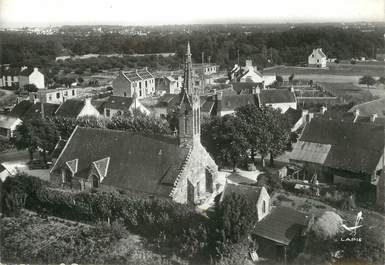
(235, 217)
(36, 134)
(367, 80)
(291, 78)
(266, 129)
(225, 139)
(279, 79)
(30, 88)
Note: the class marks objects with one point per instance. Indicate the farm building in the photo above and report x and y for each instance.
(317, 58)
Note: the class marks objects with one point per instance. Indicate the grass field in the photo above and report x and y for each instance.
(348, 92)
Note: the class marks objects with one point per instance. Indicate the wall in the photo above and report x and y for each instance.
(122, 87)
(59, 96)
(263, 196)
(37, 79)
(194, 172)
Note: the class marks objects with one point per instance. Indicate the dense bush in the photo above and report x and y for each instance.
(170, 224)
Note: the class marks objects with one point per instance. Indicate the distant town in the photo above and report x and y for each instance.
(193, 144)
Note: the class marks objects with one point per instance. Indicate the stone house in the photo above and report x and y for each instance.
(170, 84)
(174, 167)
(139, 82)
(117, 105)
(317, 58)
(257, 195)
(74, 108)
(348, 153)
(31, 76)
(250, 74)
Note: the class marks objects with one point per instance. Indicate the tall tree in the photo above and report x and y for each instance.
(367, 80)
(36, 134)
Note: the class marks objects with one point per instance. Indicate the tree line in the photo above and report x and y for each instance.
(290, 46)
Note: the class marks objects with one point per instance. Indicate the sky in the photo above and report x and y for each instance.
(17, 13)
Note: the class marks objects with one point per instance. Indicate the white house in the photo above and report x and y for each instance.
(117, 105)
(8, 125)
(73, 108)
(31, 76)
(317, 58)
(55, 96)
(250, 73)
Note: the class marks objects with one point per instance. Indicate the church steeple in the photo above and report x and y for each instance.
(189, 113)
(188, 85)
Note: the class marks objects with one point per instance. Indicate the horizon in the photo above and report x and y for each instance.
(43, 13)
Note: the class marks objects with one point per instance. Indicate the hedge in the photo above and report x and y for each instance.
(163, 222)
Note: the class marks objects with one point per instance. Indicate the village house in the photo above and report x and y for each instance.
(258, 196)
(8, 125)
(31, 76)
(170, 84)
(55, 96)
(9, 77)
(75, 108)
(32, 109)
(139, 82)
(317, 58)
(347, 153)
(250, 73)
(115, 105)
(175, 167)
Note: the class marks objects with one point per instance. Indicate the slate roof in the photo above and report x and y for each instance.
(70, 108)
(281, 225)
(10, 72)
(145, 74)
(244, 87)
(20, 108)
(26, 72)
(116, 102)
(168, 101)
(26, 110)
(208, 106)
(58, 148)
(319, 52)
(293, 116)
(138, 163)
(271, 96)
(251, 193)
(138, 75)
(132, 76)
(231, 102)
(355, 147)
(366, 109)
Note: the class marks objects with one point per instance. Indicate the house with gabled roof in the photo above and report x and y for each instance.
(342, 152)
(169, 84)
(8, 125)
(317, 58)
(75, 108)
(31, 76)
(367, 109)
(174, 167)
(116, 105)
(139, 83)
(27, 110)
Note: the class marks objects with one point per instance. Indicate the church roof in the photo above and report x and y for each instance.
(143, 164)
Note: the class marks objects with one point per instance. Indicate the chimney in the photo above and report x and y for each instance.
(292, 89)
(373, 117)
(35, 69)
(249, 63)
(23, 68)
(356, 114)
(87, 101)
(309, 117)
(305, 112)
(323, 110)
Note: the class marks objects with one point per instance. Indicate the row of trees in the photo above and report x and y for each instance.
(265, 46)
(251, 131)
(43, 134)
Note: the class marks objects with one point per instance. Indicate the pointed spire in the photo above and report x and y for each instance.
(188, 82)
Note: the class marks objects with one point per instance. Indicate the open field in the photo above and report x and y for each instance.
(348, 92)
(356, 70)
